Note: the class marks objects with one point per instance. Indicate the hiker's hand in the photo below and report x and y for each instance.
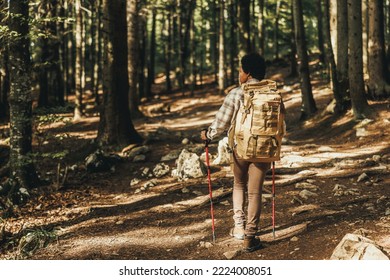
(203, 135)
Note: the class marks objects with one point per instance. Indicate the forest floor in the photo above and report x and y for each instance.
(102, 216)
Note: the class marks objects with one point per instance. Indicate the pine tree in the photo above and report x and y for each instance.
(21, 166)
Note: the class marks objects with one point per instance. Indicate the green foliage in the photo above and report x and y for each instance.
(33, 240)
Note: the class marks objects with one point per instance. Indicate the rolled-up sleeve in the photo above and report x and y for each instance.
(224, 115)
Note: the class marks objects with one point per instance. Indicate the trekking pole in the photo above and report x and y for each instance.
(210, 189)
(273, 199)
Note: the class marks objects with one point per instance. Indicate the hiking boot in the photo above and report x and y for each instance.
(251, 243)
(237, 233)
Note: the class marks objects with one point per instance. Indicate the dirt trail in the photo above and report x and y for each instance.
(101, 216)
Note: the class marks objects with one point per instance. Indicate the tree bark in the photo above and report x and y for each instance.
(21, 166)
(365, 24)
(261, 28)
(95, 55)
(320, 31)
(221, 64)
(377, 85)
(341, 47)
(233, 41)
(244, 27)
(192, 56)
(116, 127)
(293, 44)
(78, 111)
(152, 55)
(142, 47)
(168, 51)
(276, 30)
(355, 60)
(4, 84)
(189, 8)
(308, 107)
(332, 62)
(4, 73)
(133, 8)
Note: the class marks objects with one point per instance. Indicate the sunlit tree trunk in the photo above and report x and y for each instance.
(308, 107)
(192, 56)
(276, 30)
(355, 60)
(339, 107)
(221, 65)
(365, 24)
(132, 44)
(22, 169)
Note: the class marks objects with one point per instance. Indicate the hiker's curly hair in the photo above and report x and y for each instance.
(254, 64)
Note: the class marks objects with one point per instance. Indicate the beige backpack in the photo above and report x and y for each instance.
(258, 128)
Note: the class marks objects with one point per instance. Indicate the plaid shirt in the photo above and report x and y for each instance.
(225, 115)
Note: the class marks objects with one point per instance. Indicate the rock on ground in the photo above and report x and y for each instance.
(357, 247)
(189, 165)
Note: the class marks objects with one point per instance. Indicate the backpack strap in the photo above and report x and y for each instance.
(247, 106)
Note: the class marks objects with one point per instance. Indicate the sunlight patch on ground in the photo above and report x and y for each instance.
(167, 238)
(185, 122)
(298, 159)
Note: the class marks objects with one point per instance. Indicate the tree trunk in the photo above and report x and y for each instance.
(261, 28)
(276, 30)
(320, 31)
(355, 60)
(214, 40)
(4, 83)
(331, 61)
(95, 34)
(377, 86)
(22, 169)
(116, 127)
(133, 55)
(244, 27)
(69, 53)
(192, 56)
(142, 47)
(4, 110)
(293, 44)
(190, 8)
(233, 41)
(56, 78)
(78, 111)
(308, 107)
(341, 47)
(152, 55)
(221, 33)
(168, 51)
(365, 35)
(387, 24)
